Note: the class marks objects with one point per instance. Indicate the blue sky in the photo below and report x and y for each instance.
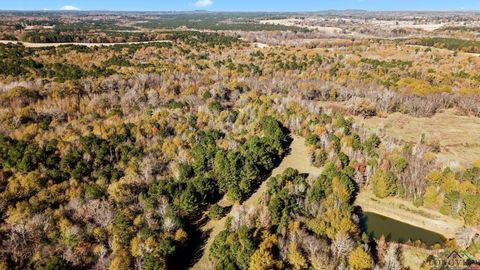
(240, 5)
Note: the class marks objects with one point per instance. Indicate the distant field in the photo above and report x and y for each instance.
(301, 23)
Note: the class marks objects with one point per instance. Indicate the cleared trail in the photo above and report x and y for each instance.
(296, 159)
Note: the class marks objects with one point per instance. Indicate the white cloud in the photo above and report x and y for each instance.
(203, 3)
(69, 8)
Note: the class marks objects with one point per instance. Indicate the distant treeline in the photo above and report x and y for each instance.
(460, 29)
(56, 36)
(471, 46)
(217, 22)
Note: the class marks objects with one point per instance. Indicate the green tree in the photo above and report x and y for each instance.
(452, 204)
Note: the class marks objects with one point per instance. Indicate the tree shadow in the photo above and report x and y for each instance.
(195, 248)
(196, 242)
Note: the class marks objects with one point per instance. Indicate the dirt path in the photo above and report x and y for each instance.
(40, 45)
(297, 159)
(405, 211)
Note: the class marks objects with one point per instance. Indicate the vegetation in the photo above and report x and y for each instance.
(113, 156)
(293, 229)
(216, 22)
(384, 184)
(470, 46)
(62, 36)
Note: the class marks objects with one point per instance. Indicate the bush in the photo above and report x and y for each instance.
(216, 212)
(319, 158)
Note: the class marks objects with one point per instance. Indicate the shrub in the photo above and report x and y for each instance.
(216, 212)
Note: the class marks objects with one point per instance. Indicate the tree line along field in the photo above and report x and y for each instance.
(112, 28)
(111, 157)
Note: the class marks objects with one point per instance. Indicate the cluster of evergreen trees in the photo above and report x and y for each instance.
(236, 173)
(471, 46)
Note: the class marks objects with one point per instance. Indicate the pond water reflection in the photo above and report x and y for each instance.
(377, 225)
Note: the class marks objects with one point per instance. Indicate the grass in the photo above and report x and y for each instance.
(457, 136)
(413, 257)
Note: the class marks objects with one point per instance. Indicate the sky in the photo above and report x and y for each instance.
(238, 5)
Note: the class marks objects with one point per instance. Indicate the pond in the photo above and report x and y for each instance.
(375, 226)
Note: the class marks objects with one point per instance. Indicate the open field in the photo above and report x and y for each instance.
(391, 24)
(303, 23)
(457, 135)
(413, 257)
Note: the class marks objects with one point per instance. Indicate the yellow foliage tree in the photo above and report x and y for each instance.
(135, 248)
(449, 183)
(121, 261)
(295, 257)
(359, 259)
(432, 198)
(435, 177)
(181, 236)
(263, 257)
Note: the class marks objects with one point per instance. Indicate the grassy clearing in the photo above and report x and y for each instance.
(457, 136)
(413, 257)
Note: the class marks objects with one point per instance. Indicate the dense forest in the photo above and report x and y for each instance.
(114, 157)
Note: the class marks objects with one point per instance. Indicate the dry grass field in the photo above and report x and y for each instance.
(413, 257)
(458, 136)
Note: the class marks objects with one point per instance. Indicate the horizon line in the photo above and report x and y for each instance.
(240, 11)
